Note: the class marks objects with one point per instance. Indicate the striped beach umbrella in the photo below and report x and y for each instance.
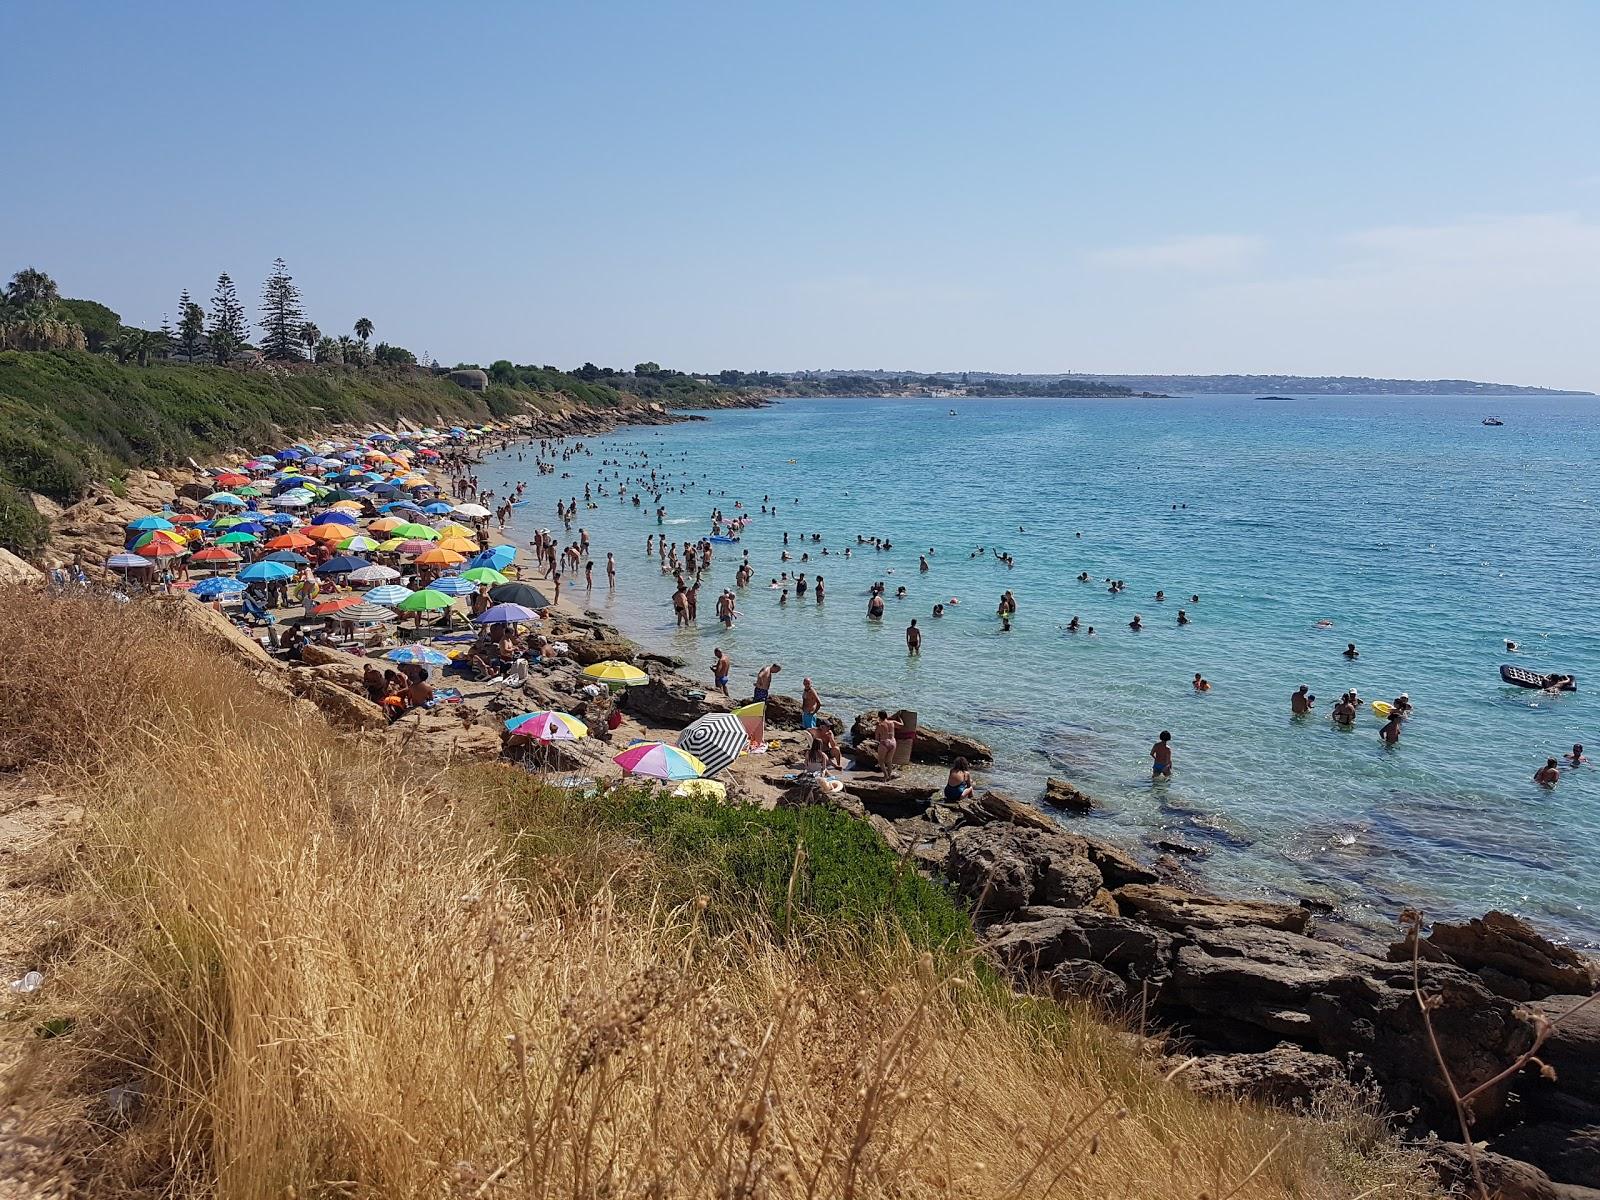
(376, 573)
(366, 614)
(389, 594)
(453, 585)
(716, 739)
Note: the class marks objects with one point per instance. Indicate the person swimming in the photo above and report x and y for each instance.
(1201, 683)
(1350, 651)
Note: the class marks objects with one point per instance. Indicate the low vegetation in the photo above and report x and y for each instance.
(288, 962)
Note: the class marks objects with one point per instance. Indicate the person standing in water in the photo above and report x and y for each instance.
(1161, 757)
(1390, 733)
(1548, 775)
(913, 638)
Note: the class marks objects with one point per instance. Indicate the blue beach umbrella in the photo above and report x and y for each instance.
(426, 655)
(144, 524)
(453, 585)
(339, 564)
(495, 556)
(287, 556)
(216, 585)
(388, 594)
(336, 516)
(266, 572)
(224, 499)
(506, 612)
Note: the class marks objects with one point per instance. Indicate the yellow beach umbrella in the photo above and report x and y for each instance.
(612, 671)
(460, 545)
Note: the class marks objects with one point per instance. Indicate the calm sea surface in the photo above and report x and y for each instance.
(1422, 535)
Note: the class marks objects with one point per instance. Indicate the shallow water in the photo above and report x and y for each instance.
(1425, 537)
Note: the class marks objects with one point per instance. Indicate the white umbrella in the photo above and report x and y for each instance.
(376, 573)
(470, 510)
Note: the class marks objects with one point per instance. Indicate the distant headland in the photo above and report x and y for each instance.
(1073, 384)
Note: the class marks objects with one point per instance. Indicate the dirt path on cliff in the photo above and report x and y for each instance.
(32, 824)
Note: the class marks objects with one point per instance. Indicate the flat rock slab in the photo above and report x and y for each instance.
(1174, 908)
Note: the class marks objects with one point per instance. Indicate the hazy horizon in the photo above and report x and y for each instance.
(1408, 193)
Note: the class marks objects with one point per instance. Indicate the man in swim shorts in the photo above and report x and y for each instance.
(763, 687)
(721, 668)
(810, 704)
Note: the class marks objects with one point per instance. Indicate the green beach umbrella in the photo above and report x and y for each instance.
(427, 600)
(233, 539)
(485, 575)
(412, 530)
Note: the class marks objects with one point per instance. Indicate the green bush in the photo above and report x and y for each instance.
(22, 530)
(803, 872)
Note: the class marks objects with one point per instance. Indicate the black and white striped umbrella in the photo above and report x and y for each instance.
(716, 739)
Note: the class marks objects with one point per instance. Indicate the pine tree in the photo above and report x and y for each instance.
(191, 326)
(228, 329)
(282, 318)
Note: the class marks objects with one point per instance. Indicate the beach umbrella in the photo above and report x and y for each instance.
(548, 726)
(276, 519)
(412, 545)
(389, 594)
(375, 573)
(340, 564)
(231, 478)
(701, 789)
(613, 672)
(411, 529)
(438, 556)
(366, 614)
(426, 655)
(754, 719)
(266, 572)
(287, 556)
(328, 532)
(224, 499)
(426, 600)
(495, 556)
(438, 508)
(216, 585)
(288, 456)
(246, 525)
(452, 529)
(359, 542)
(659, 761)
(472, 511)
(393, 543)
(453, 585)
(186, 519)
(146, 524)
(484, 575)
(506, 613)
(518, 593)
(238, 537)
(123, 562)
(458, 545)
(161, 550)
(338, 605)
(716, 739)
(337, 516)
(215, 554)
(385, 524)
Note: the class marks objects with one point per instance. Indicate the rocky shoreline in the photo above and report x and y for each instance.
(1260, 999)
(1252, 998)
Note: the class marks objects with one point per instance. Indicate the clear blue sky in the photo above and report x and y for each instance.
(1400, 189)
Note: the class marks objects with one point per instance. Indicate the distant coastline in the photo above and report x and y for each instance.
(1071, 385)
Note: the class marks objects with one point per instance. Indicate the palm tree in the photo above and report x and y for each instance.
(363, 329)
(310, 335)
(32, 286)
(348, 348)
(142, 342)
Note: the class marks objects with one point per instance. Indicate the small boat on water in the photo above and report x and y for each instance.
(1493, 421)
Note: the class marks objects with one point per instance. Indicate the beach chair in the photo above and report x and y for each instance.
(254, 613)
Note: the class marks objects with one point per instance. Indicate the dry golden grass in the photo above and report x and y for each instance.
(318, 965)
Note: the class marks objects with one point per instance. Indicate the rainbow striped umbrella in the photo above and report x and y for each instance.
(548, 726)
(659, 761)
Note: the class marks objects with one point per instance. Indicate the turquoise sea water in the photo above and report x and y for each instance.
(1424, 536)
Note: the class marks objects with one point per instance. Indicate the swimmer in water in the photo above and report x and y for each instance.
(1183, 617)
(1136, 624)
(1201, 683)
(1577, 758)
(1548, 775)
(1161, 757)
(1350, 651)
(1300, 703)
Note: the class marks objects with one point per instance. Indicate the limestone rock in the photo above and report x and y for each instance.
(1058, 793)
(1174, 908)
(1087, 981)
(588, 651)
(1573, 1047)
(896, 798)
(673, 703)
(343, 707)
(1004, 808)
(14, 570)
(1003, 868)
(1039, 939)
(1501, 943)
(1285, 1075)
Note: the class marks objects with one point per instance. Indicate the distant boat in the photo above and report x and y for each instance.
(1493, 421)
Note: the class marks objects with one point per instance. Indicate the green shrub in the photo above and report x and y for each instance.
(22, 530)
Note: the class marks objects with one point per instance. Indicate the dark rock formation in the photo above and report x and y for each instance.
(1173, 908)
(1513, 959)
(673, 702)
(1058, 793)
(1001, 868)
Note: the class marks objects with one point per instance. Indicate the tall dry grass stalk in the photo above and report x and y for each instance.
(315, 964)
